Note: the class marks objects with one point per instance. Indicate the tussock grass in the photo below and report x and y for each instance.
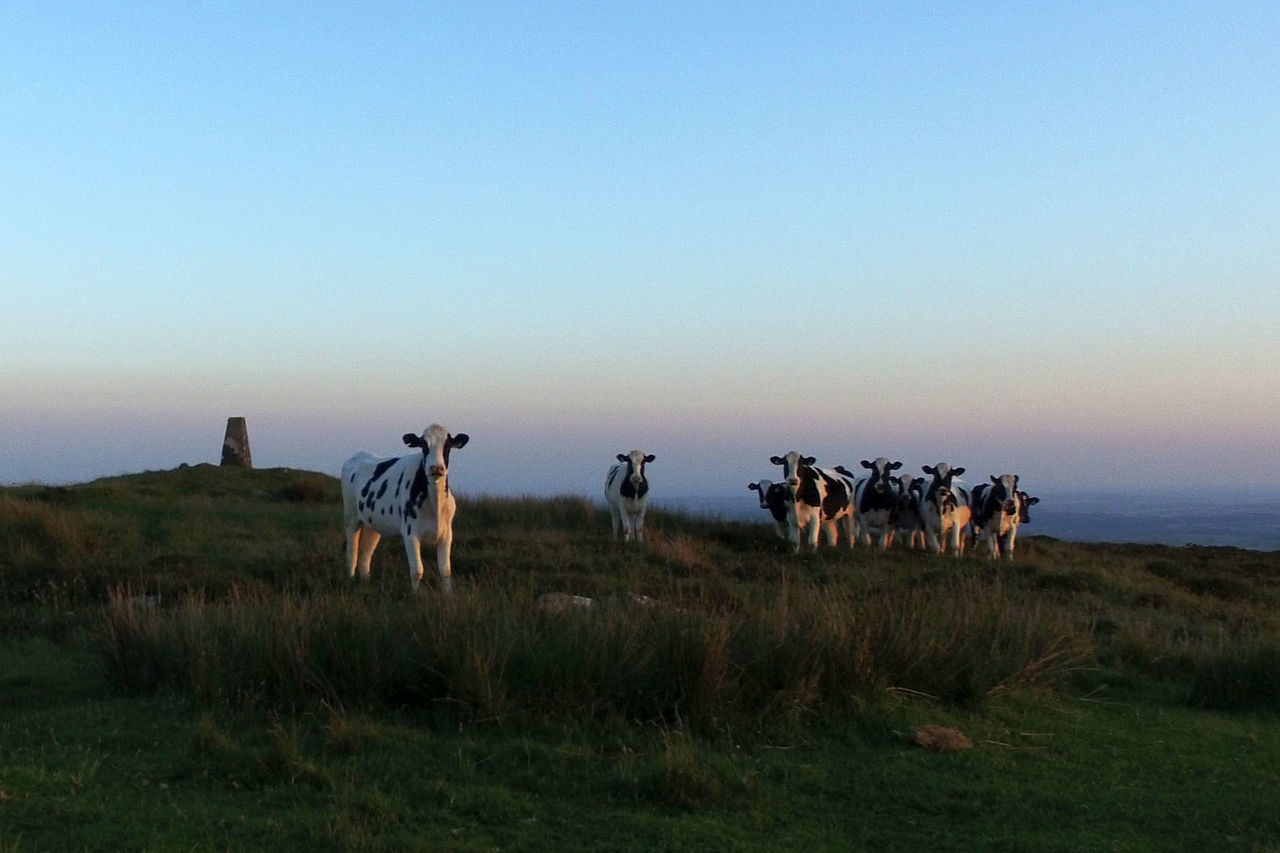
(227, 584)
(490, 654)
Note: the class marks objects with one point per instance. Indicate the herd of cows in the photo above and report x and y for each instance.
(937, 512)
(409, 495)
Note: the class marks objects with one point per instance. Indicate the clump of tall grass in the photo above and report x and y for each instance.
(489, 654)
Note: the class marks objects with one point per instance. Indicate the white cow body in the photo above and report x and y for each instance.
(407, 495)
(876, 502)
(944, 509)
(817, 500)
(626, 491)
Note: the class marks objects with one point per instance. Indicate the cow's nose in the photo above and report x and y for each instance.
(436, 471)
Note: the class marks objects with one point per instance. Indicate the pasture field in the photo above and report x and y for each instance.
(184, 666)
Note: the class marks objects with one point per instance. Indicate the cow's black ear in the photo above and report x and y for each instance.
(1015, 481)
(894, 466)
(777, 460)
(622, 457)
(1032, 501)
(413, 440)
(995, 479)
(753, 487)
(808, 460)
(459, 440)
(649, 458)
(928, 469)
(957, 471)
(865, 464)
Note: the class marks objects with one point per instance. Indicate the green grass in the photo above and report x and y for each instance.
(183, 665)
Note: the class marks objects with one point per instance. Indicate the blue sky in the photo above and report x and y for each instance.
(1036, 238)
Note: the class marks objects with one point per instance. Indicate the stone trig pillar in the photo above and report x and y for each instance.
(235, 447)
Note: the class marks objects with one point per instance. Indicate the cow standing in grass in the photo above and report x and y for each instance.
(773, 497)
(944, 509)
(876, 500)
(626, 490)
(997, 512)
(817, 500)
(408, 495)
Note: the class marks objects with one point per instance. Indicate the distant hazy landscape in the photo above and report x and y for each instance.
(1252, 521)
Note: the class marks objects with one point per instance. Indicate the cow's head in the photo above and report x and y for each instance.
(1025, 502)
(635, 468)
(1004, 492)
(940, 488)
(762, 487)
(791, 465)
(880, 473)
(436, 442)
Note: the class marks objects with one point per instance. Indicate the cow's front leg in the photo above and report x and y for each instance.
(413, 552)
(366, 540)
(444, 550)
(638, 525)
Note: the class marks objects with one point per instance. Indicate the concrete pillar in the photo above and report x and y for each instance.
(235, 447)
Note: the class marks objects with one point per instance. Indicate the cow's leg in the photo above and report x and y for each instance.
(616, 520)
(956, 539)
(367, 539)
(444, 564)
(1008, 544)
(814, 531)
(637, 525)
(851, 530)
(353, 538)
(413, 552)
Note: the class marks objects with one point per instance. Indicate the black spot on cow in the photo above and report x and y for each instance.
(382, 491)
(836, 498)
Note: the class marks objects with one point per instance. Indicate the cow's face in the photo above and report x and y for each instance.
(635, 467)
(880, 474)
(762, 488)
(940, 488)
(1004, 491)
(791, 465)
(435, 444)
(1025, 502)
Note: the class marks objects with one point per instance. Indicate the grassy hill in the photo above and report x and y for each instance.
(183, 663)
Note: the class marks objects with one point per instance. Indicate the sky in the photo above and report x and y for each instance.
(1040, 239)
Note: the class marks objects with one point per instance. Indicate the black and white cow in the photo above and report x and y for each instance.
(997, 512)
(944, 509)
(408, 495)
(817, 500)
(773, 497)
(875, 499)
(910, 525)
(626, 490)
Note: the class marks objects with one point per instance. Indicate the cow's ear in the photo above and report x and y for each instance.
(894, 466)
(958, 471)
(753, 487)
(649, 458)
(928, 469)
(808, 460)
(777, 460)
(413, 440)
(995, 479)
(1032, 501)
(622, 457)
(1015, 481)
(865, 464)
(459, 440)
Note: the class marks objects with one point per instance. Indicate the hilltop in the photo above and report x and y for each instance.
(192, 629)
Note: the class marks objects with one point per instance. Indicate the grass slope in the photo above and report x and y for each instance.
(182, 665)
